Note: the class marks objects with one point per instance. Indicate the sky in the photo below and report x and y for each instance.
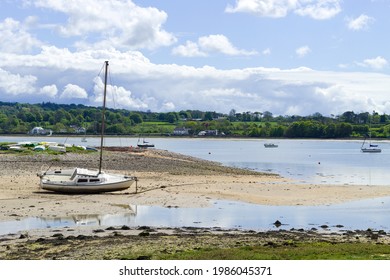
(288, 57)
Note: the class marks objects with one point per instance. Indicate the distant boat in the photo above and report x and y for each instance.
(80, 180)
(39, 148)
(370, 148)
(144, 144)
(270, 145)
(56, 148)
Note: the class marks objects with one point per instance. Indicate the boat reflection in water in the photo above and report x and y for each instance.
(369, 213)
(97, 220)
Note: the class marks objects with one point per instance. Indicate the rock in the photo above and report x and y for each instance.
(144, 233)
(143, 258)
(277, 223)
(58, 236)
(110, 228)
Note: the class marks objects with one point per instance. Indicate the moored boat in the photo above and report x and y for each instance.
(371, 148)
(270, 145)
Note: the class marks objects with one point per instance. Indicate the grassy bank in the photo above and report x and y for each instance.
(289, 251)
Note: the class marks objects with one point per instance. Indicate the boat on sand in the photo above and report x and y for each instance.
(81, 180)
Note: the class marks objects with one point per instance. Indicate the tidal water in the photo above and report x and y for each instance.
(311, 161)
(371, 213)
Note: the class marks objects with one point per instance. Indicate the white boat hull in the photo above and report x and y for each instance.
(61, 149)
(83, 181)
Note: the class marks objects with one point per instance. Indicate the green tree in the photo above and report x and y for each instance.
(209, 116)
(172, 117)
(136, 118)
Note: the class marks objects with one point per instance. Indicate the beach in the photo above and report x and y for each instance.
(164, 179)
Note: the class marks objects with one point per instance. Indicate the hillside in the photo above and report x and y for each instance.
(17, 118)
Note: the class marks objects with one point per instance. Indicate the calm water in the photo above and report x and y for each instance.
(337, 162)
(372, 213)
(312, 161)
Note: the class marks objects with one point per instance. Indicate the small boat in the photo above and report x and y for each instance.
(144, 144)
(39, 148)
(15, 148)
(371, 148)
(81, 180)
(56, 148)
(270, 145)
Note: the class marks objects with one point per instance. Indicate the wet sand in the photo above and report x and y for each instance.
(164, 179)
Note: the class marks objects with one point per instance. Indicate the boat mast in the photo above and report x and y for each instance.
(103, 116)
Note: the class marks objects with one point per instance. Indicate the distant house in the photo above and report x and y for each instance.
(208, 132)
(40, 131)
(180, 131)
(78, 129)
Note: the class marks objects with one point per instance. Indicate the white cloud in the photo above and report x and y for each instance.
(220, 43)
(50, 91)
(190, 49)
(343, 65)
(376, 63)
(266, 8)
(118, 23)
(302, 51)
(73, 92)
(142, 85)
(319, 9)
(316, 9)
(210, 44)
(168, 106)
(16, 84)
(266, 51)
(117, 96)
(15, 38)
(359, 23)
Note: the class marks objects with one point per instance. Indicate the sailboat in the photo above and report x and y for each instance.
(371, 148)
(81, 180)
(144, 144)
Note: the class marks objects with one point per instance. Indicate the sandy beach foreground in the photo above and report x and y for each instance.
(164, 179)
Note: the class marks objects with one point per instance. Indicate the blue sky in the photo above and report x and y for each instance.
(283, 56)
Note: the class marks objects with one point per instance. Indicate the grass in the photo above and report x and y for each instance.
(287, 251)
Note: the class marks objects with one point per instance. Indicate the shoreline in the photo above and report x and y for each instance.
(166, 179)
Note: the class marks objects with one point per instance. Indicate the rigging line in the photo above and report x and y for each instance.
(101, 70)
(113, 89)
(114, 95)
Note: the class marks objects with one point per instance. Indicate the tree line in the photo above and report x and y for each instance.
(19, 118)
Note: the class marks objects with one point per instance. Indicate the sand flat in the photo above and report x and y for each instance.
(165, 179)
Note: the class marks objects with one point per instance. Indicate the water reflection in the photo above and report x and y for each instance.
(372, 213)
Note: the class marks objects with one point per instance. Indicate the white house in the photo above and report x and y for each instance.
(181, 131)
(40, 131)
